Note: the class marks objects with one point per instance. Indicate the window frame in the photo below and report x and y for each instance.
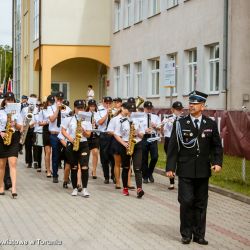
(60, 83)
(174, 57)
(117, 15)
(127, 80)
(154, 4)
(192, 66)
(173, 4)
(36, 19)
(138, 9)
(154, 74)
(128, 10)
(117, 79)
(137, 78)
(212, 62)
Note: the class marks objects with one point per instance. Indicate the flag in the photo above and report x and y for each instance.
(9, 85)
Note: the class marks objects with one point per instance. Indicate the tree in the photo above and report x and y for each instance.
(6, 53)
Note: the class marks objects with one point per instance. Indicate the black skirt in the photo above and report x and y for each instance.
(12, 149)
(93, 142)
(115, 147)
(46, 135)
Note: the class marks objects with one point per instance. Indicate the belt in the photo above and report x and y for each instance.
(54, 132)
(149, 136)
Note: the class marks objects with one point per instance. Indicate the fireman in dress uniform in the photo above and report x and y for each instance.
(194, 150)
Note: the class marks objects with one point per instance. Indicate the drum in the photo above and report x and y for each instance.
(39, 140)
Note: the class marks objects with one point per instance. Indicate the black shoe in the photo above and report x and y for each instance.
(106, 181)
(94, 177)
(35, 165)
(117, 187)
(14, 195)
(151, 179)
(140, 193)
(39, 170)
(185, 240)
(200, 241)
(29, 165)
(145, 181)
(131, 187)
(20, 152)
(65, 184)
(2, 193)
(171, 187)
(55, 179)
(79, 188)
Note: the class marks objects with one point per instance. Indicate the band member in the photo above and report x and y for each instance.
(129, 135)
(56, 113)
(103, 117)
(10, 125)
(152, 123)
(168, 122)
(44, 122)
(76, 132)
(90, 93)
(93, 140)
(194, 149)
(28, 138)
(24, 102)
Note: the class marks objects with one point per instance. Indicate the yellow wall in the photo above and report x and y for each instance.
(79, 72)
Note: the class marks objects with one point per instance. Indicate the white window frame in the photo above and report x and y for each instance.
(154, 74)
(127, 13)
(172, 3)
(138, 78)
(192, 69)
(36, 19)
(127, 79)
(117, 77)
(117, 15)
(154, 7)
(138, 10)
(61, 88)
(174, 57)
(213, 62)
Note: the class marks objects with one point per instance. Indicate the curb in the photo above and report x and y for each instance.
(219, 190)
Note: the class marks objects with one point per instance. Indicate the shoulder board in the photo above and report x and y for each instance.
(168, 116)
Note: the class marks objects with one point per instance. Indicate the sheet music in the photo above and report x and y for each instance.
(13, 108)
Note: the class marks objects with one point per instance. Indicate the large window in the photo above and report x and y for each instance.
(36, 19)
(192, 70)
(117, 15)
(60, 86)
(154, 77)
(128, 13)
(138, 10)
(171, 3)
(214, 68)
(126, 84)
(138, 78)
(154, 7)
(117, 81)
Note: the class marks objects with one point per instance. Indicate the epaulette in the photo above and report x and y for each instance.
(181, 117)
(169, 116)
(70, 114)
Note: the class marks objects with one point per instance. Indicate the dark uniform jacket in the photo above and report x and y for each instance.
(195, 162)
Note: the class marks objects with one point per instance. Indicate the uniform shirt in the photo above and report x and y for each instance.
(25, 111)
(90, 94)
(70, 124)
(114, 122)
(194, 118)
(37, 127)
(50, 111)
(101, 112)
(123, 130)
(61, 137)
(43, 116)
(154, 119)
(168, 125)
(3, 119)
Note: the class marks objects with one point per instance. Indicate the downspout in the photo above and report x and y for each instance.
(40, 52)
(13, 50)
(225, 52)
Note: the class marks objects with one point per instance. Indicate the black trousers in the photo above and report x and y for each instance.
(152, 148)
(37, 153)
(106, 155)
(166, 141)
(126, 160)
(7, 179)
(28, 146)
(193, 197)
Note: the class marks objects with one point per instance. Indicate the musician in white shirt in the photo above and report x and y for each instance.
(90, 93)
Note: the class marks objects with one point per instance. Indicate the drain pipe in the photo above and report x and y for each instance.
(40, 52)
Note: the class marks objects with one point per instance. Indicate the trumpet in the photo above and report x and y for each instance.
(62, 107)
(139, 101)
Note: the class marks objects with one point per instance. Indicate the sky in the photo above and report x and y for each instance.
(6, 22)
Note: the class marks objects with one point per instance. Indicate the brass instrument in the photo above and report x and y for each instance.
(9, 131)
(110, 112)
(26, 123)
(131, 141)
(62, 107)
(78, 135)
(139, 102)
(93, 124)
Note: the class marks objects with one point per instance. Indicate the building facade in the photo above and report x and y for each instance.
(206, 41)
(65, 47)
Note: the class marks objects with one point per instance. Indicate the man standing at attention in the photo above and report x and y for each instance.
(194, 150)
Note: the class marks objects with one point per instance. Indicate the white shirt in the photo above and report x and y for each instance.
(90, 94)
(114, 122)
(70, 124)
(3, 119)
(168, 125)
(37, 128)
(50, 111)
(43, 116)
(99, 115)
(154, 119)
(194, 118)
(25, 111)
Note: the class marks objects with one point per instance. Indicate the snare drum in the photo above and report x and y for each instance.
(39, 140)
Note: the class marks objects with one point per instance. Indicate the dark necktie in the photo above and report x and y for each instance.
(59, 119)
(196, 121)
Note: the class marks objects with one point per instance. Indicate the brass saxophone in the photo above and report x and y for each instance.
(131, 141)
(9, 131)
(26, 125)
(78, 135)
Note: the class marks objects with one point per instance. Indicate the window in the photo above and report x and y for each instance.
(60, 86)
(154, 7)
(171, 3)
(138, 10)
(173, 57)
(214, 67)
(36, 19)
(126, 84)
(154, 77)
(192, 70)
(138, 78)
(117, 81)
(117, 15)
(128, 13)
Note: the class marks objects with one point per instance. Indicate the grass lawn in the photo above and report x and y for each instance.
(229, 178)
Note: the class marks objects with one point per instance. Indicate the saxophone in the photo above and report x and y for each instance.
(9, 131)
(26, 125)
(78, 135)
(131, 141)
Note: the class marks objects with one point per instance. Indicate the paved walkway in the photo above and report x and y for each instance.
(45, 213)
